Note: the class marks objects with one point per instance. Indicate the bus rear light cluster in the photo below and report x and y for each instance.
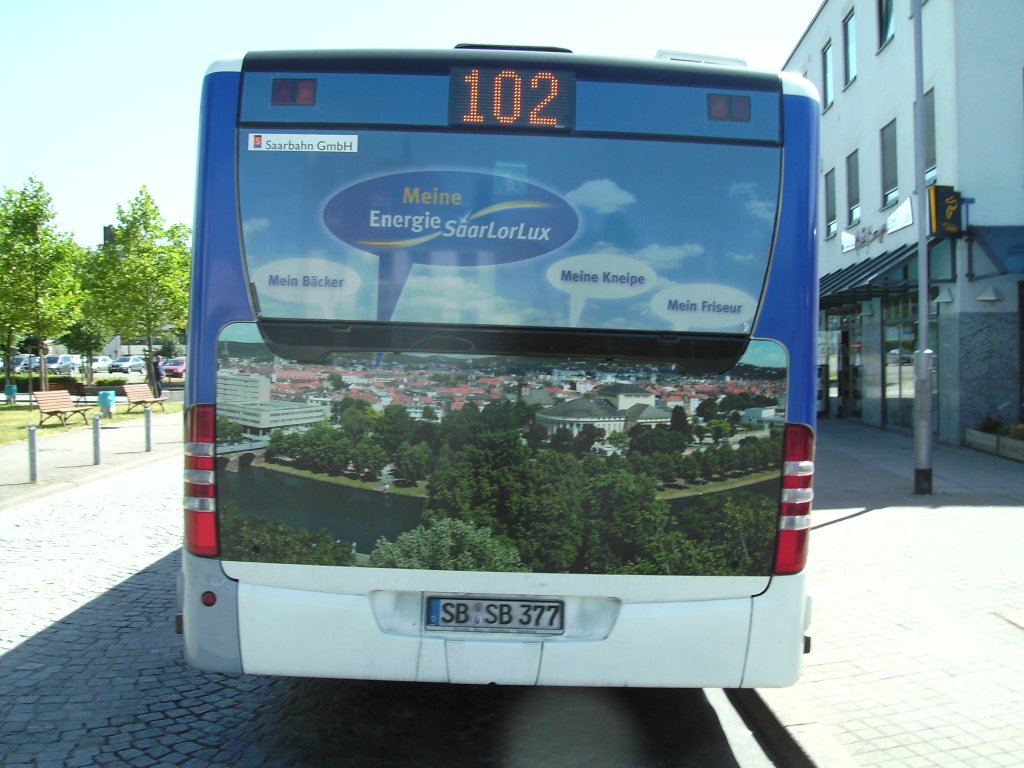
(797, 495)
(200, 482)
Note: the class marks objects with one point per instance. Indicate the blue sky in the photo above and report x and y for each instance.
(101, 97)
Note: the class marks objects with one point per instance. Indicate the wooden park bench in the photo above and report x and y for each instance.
(58, 403)
(140, 395)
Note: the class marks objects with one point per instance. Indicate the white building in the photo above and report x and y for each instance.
(860, 54)
(244, 398)
(613, 408)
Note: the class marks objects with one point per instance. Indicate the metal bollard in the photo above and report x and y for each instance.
(95, 438)
(33, 474)
(149, 428)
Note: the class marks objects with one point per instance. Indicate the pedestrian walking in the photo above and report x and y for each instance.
(158, 375)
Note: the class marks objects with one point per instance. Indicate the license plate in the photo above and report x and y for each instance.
(488, 614)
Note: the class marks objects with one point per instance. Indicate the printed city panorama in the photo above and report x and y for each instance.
(488, 463)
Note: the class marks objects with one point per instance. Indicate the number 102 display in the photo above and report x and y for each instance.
(512, 98)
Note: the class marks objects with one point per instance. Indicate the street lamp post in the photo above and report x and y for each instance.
(923, 356)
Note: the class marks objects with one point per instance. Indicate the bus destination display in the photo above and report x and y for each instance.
(512, 98)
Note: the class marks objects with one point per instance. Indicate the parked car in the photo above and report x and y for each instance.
(24, 363)
(65, 364)
(128, 364)
(101, 363)
(175, 368)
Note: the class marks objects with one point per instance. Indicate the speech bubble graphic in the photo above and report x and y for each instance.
(705, 307)
(446, 218)
(316, 285)
(599, 276)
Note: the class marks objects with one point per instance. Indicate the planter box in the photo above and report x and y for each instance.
(1006, 447)
(982, 441)
(1011, 449)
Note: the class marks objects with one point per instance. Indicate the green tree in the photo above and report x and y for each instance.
(394, 427)
(547, 520)
(563, 441)
(584, 441)
(262, 540)
(707, 409)
(355, 417)
(87, 336)
(461, 486)
(624, 521)
(140, 277)
(283, 446)
(536, 436)
(169, 348)
(447, 545)
(413, 462)
(653, 440)
(679, 421)
(618, 439)
(228, 431)
(720, 429)
(461, 428)
(369, 459)
(39, 289)
(325, 449)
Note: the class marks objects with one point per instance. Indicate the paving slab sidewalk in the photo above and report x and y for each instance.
(918, 618)
(65, 460)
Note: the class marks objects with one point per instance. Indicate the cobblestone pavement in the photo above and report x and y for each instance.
(91, 671)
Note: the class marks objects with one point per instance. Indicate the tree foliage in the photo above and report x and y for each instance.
(262, 540)
(39, 290)
(139, 279)
(558, 506)
(447, 545)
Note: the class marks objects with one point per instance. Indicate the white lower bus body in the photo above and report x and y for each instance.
(369, 623)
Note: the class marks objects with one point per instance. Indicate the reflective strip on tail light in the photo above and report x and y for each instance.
(200, 482)
(795, 504)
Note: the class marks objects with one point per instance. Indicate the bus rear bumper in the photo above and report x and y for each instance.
(736, 642)
(210, 632)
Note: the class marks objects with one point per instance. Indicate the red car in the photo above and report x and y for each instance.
(175, 368)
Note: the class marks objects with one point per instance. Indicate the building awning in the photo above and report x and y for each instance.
(868, 279)
(1004, 245)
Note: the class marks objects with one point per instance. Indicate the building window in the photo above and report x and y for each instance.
(890, 184)
(830, 204)
(853, 187)
(899, 340)
(886, 21)
(849, 49)
(930, 157)
(941, 265)
(826, 74)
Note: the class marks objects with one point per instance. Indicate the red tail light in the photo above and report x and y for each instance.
(797, 494)
(200, 481)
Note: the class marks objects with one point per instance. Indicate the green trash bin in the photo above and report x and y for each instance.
(107, 399)
(11, 393)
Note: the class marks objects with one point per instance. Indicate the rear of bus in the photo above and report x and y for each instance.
(502, 370)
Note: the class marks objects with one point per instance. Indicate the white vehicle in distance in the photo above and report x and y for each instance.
(101, 363)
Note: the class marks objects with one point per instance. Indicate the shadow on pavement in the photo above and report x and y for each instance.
(107, 684)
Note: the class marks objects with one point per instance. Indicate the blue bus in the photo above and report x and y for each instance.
(502, 370)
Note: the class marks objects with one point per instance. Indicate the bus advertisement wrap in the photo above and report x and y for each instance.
(564, 469)
(501, 341)
(446, 219)
(535, 236)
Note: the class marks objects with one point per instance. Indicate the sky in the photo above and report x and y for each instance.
(101, 97)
